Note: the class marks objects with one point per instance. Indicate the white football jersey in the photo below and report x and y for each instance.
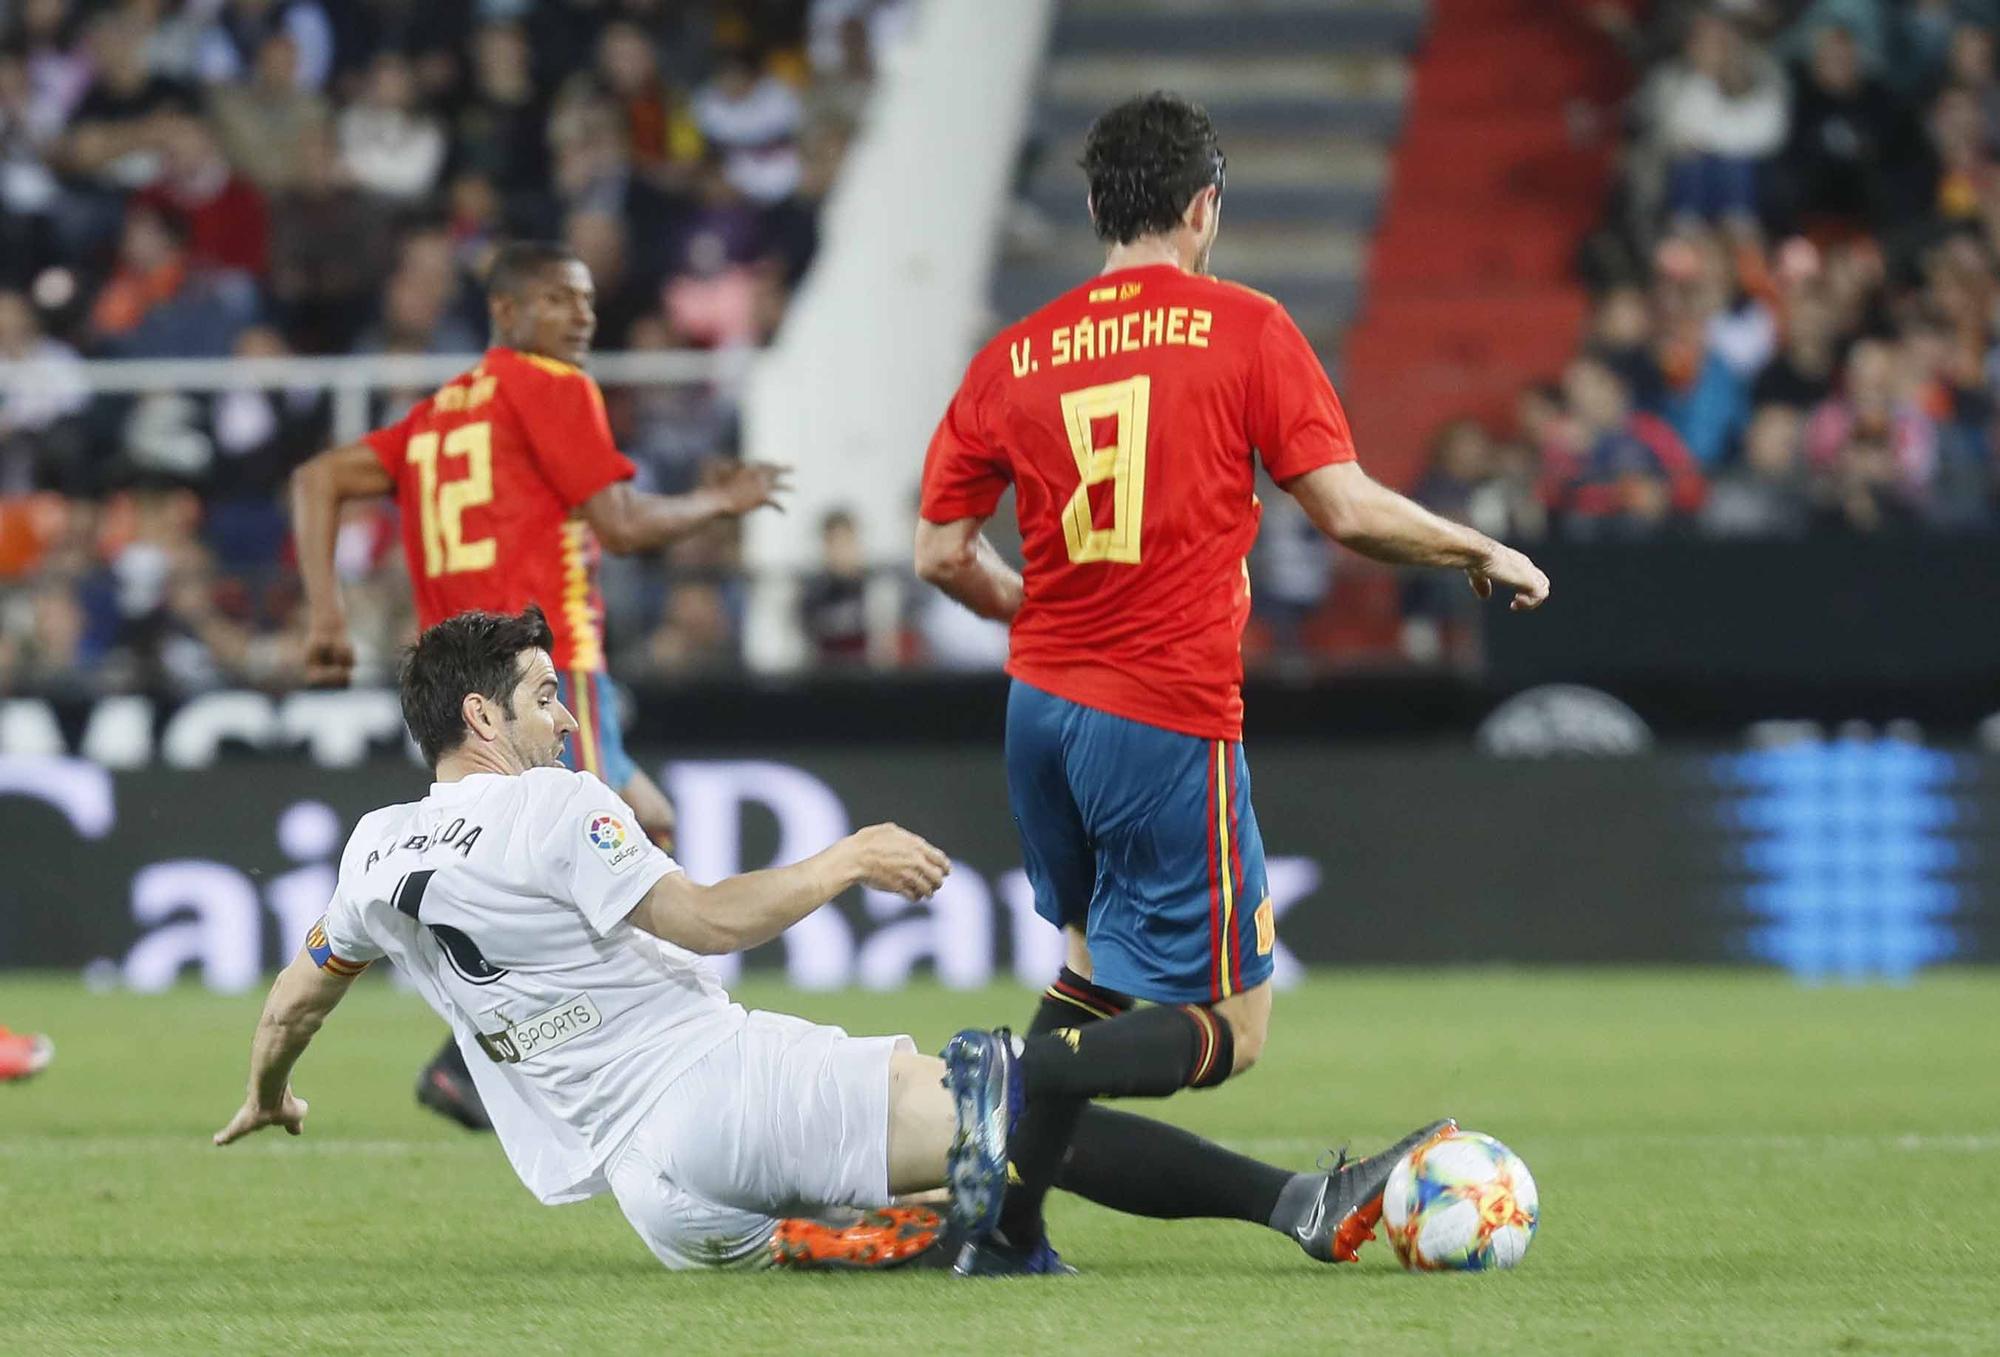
(505, 899)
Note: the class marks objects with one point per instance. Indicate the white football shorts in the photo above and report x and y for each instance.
(785, 1119)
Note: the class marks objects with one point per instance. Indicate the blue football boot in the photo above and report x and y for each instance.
(986, 1094)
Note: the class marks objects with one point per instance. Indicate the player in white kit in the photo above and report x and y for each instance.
(565, 949)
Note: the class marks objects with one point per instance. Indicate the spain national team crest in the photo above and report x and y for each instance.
(618, 846)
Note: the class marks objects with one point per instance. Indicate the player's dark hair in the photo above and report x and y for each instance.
(518, 263)
(1146, 159)
(471, 653)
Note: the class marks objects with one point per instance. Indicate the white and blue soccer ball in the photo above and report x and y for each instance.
(1462, 1204)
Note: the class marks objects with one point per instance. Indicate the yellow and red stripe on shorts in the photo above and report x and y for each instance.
(1225, 875)
(589, 734)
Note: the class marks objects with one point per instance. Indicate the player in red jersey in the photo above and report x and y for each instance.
(1129, 414)
(509, 482)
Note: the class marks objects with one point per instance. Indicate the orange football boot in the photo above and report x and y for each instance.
(884, 1238)
(23, 1054)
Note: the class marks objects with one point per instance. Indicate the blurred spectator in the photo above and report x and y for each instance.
(42, 636)
(1963, 151)
(236, 39)
(43, 37)
(501, 130)
(1461, 461)
(848, 37)
(227, 225)
(29, 191)
(258, 437)
(1861, 488)
(475, 219)
(593, 172)
(329, 249)
(417, 315)
(754, 119)
(265, 123)
(1292, 565)
(110, 139)
(1621, 334)
(671, 430)
(389, 146)
(1716, 115)
(1435, 604)
(1848, 138)
(1970, 68)
(1709, 336)
(1509, 504)
(696, 634)
(1764, 496)
(1542, 420)
(833, 602)
(1629, 473)
(659, 128)
(712, 299)
(791, 226)
(1801, 375)
(1874, 416)
(156, 304)
(40, 396)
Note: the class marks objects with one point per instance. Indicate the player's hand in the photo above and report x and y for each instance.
(1509, 567)
(891, 858)
(329, 653)
(750, 486)
(290, 1113)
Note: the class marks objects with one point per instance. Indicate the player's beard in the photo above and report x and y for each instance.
(530, 754)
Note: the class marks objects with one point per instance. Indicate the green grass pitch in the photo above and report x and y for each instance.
(1727, 1162)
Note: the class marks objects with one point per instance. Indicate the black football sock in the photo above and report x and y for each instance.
(1144, 1054)
(1033, 1151)
(1036, 1145)
(449, 1057)
(1151, 1052)
(1144, 1167)
(1073, 1001)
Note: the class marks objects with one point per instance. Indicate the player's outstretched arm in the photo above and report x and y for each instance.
(299, 1001)
(319, 489)
(744, 911)
(1346, 504)
(957, 558)
(631, 522)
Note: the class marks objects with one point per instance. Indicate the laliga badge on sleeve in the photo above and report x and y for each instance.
(612, 841)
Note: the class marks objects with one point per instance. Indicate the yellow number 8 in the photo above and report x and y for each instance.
(1123, 463)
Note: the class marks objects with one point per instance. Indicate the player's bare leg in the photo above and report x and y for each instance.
(1249, 1017)
(923, 1122)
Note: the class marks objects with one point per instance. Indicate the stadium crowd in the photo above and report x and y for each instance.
(206, 178)
(1794, 318)
(1793, 328)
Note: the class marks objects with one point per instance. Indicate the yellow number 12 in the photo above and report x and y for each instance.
(1123, 463)
(442, 507)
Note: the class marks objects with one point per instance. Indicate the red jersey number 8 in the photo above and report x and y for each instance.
(442, 507)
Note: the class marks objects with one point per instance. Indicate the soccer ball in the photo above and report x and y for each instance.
(1462, 1204)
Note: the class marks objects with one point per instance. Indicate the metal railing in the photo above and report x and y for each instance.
(351, 380)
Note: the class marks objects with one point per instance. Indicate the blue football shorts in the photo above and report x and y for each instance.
(1145, 839)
